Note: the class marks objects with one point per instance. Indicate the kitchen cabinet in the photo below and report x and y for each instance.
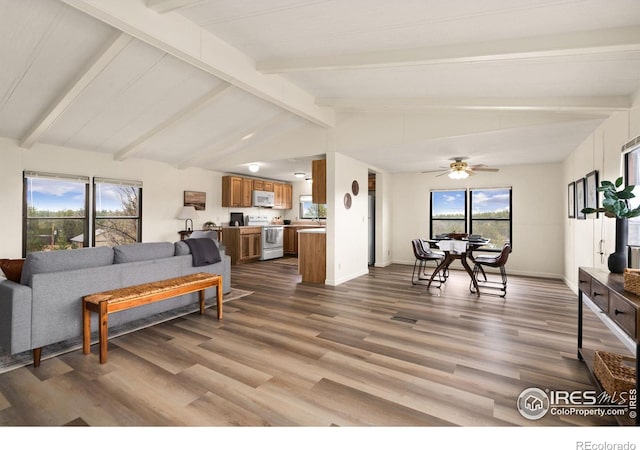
(243, 244)
(236, 191)
(319, 183)
(291, 237)
(312, 259)
(282, 193)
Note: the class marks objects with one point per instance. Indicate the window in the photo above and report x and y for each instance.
(448, 212)
(55, 212)
(632, 172)
(310, 210)
(117, 210)
(491, 215)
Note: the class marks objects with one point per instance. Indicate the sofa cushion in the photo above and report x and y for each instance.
(62, 260)
(12, 269)
(142, 251)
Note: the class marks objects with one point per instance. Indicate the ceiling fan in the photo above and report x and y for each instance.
(459, 169)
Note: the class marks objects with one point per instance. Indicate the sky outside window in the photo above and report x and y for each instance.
(448, 204)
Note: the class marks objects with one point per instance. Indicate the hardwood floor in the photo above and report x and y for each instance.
(373, 351)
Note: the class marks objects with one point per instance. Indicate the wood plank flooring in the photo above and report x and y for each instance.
(373, 351)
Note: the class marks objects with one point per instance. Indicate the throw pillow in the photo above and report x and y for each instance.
(12, 268)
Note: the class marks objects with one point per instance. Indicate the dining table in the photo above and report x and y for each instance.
(457, 249)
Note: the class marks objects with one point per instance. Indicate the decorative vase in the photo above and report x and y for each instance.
(618, 260)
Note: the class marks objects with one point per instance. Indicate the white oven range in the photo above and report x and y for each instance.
(272, 237)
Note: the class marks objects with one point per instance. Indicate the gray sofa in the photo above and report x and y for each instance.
(45, 307)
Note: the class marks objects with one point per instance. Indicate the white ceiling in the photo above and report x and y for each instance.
(402, 86)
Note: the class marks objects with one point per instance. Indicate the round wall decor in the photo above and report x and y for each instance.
(347, 200)
(355, 187)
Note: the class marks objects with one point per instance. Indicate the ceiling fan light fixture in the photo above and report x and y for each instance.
(458, 174)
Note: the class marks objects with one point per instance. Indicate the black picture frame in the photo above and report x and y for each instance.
(580, 197)
(571, 200)
(591, 191)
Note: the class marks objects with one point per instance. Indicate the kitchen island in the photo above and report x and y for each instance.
(312, 251)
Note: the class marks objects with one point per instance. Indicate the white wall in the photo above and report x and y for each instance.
(537, 214)
(163, 189)
(600, 151)
(347, 229)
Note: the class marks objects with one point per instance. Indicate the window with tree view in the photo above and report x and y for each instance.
(117, 212)
(448, 212)
(55, 212)
(310, 210)
(491, 215)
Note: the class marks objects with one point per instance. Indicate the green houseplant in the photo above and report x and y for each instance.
(616, 205)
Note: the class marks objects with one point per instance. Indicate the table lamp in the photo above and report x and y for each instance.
(188, 213)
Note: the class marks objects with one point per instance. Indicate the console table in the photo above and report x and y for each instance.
(603, 292)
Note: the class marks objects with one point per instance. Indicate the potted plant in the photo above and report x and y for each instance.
(616, 205)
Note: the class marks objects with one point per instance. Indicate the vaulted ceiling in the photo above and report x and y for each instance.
(402, 86)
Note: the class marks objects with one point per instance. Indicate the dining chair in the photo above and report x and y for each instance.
(499, 261)
(423, 256)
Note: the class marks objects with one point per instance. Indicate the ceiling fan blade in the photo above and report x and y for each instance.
(485, 169)
(443, 173)
(470, 172)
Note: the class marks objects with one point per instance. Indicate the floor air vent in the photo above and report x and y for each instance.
(404, 319)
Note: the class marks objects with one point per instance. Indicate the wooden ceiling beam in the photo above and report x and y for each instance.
(180, 37)
(182, 115)
(231, 142)
(71, 94)
(616, 40)
(165, 6)
(545, 104)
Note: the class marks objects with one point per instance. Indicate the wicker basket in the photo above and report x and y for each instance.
(631, 278)
(613, 374)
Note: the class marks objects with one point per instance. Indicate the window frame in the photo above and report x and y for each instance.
(94, 215)
(30, 174)
(431, 219)
(509, 219)
(301, 207)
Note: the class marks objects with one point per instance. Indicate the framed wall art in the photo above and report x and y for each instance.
(591, 191)
(580, 188)
(571, 200)
(196, 199)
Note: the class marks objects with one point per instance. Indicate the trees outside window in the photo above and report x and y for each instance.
(117, 210)
(55, 212)
(310, 210)
(491, 215)
(448, 212)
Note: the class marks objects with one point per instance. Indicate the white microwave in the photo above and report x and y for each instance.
(263, 198)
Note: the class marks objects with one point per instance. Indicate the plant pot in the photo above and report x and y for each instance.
(618, 260)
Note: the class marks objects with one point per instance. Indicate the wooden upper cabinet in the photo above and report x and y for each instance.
(247, 192)
(287, 196)
(236, 191)
(278, 189)
(319, 185)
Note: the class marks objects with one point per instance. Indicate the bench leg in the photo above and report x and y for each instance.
(201, 293)
(86, 328)
(37, 354)
(103, 332)
(219, 298)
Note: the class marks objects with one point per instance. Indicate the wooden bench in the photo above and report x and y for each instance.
(105, 303)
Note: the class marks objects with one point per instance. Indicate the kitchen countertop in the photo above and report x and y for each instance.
(313, 230)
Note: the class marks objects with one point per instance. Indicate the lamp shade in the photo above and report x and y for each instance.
(188, 212)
